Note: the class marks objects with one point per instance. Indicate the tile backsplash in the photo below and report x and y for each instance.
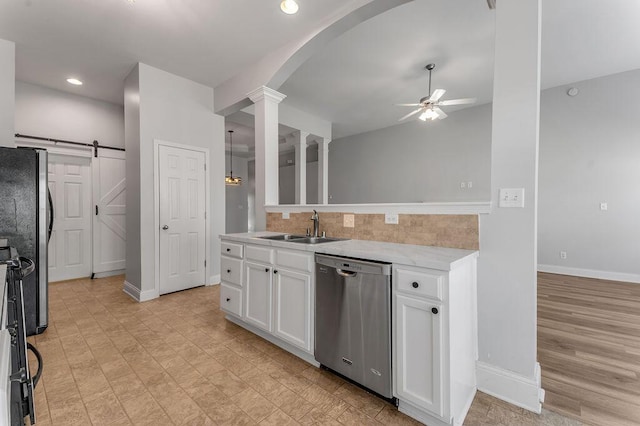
(441, 230)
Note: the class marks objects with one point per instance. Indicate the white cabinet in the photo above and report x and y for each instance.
(435, 341)
(231, 265)
(419, 352)
(270, 291)
(258, 295)
(292, 308)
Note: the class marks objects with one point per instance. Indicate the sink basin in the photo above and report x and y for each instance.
(301, 239)
(282, 237)
(316, 240)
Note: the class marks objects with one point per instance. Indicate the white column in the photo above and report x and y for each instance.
(323, 170)
(300, 143)
(266, 130)
(507, 366)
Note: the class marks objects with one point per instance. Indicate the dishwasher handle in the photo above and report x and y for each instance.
(347, 274)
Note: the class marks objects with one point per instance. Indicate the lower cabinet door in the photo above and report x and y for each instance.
(293, 308)
(418, 362)
(258, 295)
(231, 299)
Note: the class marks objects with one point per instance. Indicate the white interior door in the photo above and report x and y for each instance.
(109, 232)
(182, 218)
(70, 244)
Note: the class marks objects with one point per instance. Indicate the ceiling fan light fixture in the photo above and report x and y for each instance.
(290, 7)
(429, 114)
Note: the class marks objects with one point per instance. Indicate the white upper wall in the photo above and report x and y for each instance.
(50, 113)
(415, 162)
(589, 155)
(7, 92)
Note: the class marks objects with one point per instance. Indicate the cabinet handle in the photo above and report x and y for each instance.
(228, 299)
(266, 269)
(434, 310)
(275, 271)
(415, 285)
(228, 250)
(228, 271)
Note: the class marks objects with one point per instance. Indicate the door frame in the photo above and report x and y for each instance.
(156, 207)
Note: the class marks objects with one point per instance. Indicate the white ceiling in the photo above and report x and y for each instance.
(353, 82)
(100, 41)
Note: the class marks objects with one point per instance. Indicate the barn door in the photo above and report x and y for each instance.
(109, 232)
(70, 244)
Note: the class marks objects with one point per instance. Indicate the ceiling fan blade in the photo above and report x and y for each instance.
(408, 104)
(464, 101)
(440, 112)
(410, 114)
(437, 94)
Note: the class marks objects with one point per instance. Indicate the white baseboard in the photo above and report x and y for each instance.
(525, 392)
(590, 273)
(214, 280)
(135, 293)
(109, 273)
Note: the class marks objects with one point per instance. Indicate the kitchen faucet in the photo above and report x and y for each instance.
(316, 224)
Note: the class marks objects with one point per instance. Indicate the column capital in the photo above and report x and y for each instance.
(263, 92)
(323, 141)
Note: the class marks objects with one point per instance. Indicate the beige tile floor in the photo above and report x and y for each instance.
(175, 360)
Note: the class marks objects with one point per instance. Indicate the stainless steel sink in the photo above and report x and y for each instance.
(282, 237)
(301, 239)
(316, 240)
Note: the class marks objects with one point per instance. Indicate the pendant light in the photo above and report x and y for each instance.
(230, 179)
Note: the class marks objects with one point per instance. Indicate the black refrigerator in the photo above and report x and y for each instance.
(26, 221)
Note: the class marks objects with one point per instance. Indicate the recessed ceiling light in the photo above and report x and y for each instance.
(289, 6)
(74, 81)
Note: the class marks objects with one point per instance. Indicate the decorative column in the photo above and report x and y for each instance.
(266, 130)
(323, 170)
(300, 144)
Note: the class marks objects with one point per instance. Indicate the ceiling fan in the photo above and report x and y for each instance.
(430, 105)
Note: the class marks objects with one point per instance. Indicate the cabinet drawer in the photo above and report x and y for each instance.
(231, 270)
(301, 261)
(259, 254)
(231, 249)
(231, 300)
(421, 283)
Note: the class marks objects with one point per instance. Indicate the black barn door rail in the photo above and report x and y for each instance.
(95, 145)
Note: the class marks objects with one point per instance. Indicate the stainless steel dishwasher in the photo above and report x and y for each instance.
(353, 320)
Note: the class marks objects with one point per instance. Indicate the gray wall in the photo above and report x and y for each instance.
(7, 92)
(41, 111)
(589, 154)
(415, 161)
(174, 109)
(287, 184)
(237, 197)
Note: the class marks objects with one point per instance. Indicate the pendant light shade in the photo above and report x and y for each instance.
(230, 179)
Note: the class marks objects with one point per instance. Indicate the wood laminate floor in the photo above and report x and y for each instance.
(175, 360)
(589, 348)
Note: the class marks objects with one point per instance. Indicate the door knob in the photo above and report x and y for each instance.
(165, 227)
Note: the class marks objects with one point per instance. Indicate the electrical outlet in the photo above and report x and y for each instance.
(604, 206)
(349, 221)
(463, 185)
(391, 218)
(511, 197)
(563, 255)
(469, 184)
(285, 215)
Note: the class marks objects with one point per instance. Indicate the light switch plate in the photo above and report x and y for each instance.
(349, 221)
(512, 197)
(391, 218)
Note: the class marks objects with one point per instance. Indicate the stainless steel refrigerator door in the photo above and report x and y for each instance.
(353, 320)
(43, 241)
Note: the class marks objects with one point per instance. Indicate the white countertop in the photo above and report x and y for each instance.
(440, 258)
